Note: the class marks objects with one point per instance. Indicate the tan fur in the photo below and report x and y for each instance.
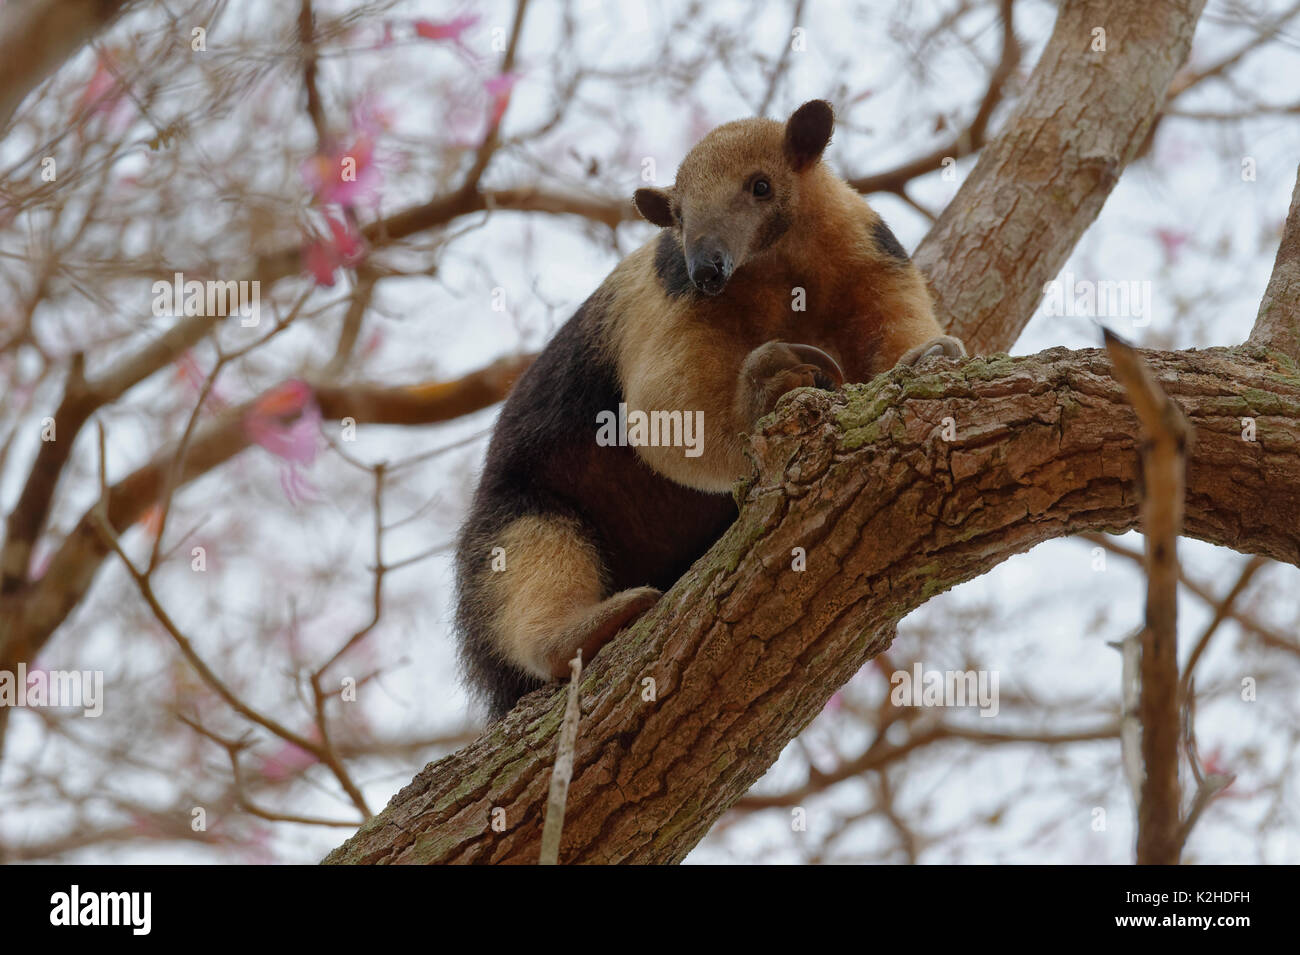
(551, 597)
(864, 307)
(552, 575)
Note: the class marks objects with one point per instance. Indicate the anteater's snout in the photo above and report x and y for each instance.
(710, 266)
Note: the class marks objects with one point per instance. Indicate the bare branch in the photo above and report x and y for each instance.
(782, 63)
(1222, 611)
(969, 140)
(1266, 635)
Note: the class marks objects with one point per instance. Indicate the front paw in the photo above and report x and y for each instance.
(775, 368)
(946, 346)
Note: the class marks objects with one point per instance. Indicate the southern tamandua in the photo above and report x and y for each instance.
(571, 535)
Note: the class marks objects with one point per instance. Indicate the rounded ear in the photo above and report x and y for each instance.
(807, 132)
(655, 205)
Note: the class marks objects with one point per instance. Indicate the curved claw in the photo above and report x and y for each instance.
(815, 356)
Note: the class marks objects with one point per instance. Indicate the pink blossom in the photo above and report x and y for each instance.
(325, 174)
(188, 371)
(462, 122)
(38, 669)
(451, 30)
(104, 93)
(297, 489)
(499, 88)
(323, 256)
(102, 82)
(1171, 242)
(286, 421)
(40, 561)
(144, 825)
(257, 846)
(370, 117)
(1213, 764)
(700, 123)
(287, 761)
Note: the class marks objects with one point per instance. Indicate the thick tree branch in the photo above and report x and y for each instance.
(744, 652)
(28, 516)
(1040, 184)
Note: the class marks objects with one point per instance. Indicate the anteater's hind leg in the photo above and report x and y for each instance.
(551, 597)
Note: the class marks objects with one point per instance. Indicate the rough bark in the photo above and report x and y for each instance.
(744, 651)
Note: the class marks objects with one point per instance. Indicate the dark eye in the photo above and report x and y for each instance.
(761, 188)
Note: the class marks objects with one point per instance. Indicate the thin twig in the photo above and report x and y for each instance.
(778, 72)
(553, 827)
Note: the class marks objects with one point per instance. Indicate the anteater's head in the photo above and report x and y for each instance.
(737, 191)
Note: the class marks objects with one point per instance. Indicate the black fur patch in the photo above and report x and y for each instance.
(543, 460)
(670, 266)
(773, 227)
(888, 242)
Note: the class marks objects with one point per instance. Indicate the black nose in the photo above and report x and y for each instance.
(710, 268)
